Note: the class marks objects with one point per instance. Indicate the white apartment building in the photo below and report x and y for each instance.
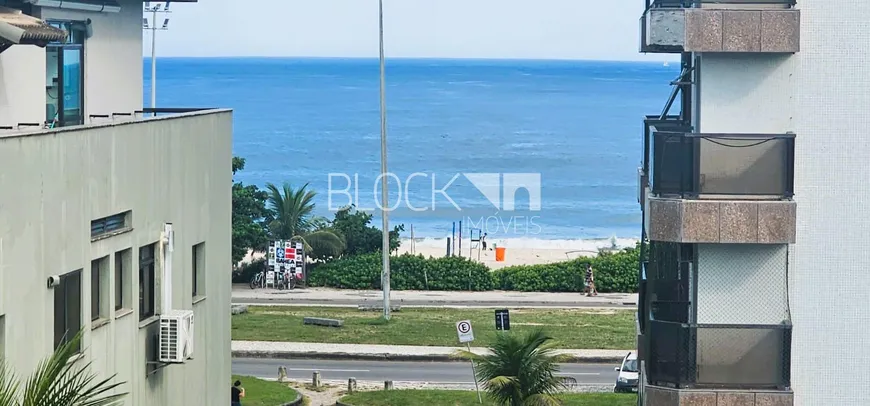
(113, 220)
(754, 193)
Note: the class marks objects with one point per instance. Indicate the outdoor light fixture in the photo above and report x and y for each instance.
(153, 27)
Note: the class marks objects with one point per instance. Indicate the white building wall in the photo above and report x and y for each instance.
(22, 85)
(174, 169)
(830, 277)
(749, 93)
(822, 94)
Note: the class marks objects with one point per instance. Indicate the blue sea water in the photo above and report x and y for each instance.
(577, 123)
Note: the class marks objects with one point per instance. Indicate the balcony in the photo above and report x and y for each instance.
(705, 356)
(720, 188)
(721, 166)
(759, 26)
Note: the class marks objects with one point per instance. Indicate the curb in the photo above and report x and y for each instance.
(296, 402)
(570, 359)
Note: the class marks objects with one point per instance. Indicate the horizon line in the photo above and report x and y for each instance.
(419, 58)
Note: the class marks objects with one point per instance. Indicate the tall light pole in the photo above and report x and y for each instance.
(385, 250)
(153, 27)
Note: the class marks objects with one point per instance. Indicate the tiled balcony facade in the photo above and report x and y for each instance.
(722, 221)
(770, 26)
(719, 188)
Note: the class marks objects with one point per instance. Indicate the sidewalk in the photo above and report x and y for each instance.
(242, 294)
(279, 350)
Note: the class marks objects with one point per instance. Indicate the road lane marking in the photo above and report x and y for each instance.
(579, 373)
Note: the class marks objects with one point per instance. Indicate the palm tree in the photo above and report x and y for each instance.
(520, 370)
(292, 216)
(59, 382)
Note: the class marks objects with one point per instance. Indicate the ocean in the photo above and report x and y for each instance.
(459, 132)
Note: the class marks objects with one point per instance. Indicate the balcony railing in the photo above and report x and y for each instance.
(698, 3)
(719, 356)
(709, 166)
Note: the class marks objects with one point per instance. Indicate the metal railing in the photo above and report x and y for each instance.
(685, 355)
(170, 110)
(697, 3)
(657, 123)
(698, 166)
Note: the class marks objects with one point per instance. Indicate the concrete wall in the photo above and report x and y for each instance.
(113, 67)
(171, 169)
(749, 93)
(22, 85)
(830, 259)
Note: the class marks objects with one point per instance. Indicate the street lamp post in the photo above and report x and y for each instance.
(154, 27)
(385, 250)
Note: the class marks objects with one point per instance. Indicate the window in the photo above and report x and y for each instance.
(122, 279)
(198, 269)
(67, 307)
(147, 283)
(65, 77)
(107, 225)
(99, 293)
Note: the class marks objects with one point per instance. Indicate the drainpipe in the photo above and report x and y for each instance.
(167, 242)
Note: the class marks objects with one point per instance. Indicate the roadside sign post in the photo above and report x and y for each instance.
(502, 320)
(466, 335)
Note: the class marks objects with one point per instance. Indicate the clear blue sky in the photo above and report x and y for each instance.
(558, 29)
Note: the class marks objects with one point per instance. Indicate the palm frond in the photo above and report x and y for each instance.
(8, 385)
(291, 210)
(58, 381)
(326, 242)
(521, 370)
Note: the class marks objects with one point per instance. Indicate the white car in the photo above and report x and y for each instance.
(626, 381)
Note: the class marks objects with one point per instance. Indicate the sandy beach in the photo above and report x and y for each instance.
(519, 251)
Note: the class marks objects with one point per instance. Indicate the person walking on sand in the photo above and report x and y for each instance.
(590, 282)
(483, 241)
(237, 392)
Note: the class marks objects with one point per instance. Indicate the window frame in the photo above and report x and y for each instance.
(74, 41)
(123, 277)
(99, 291)
(62, 291)
(147, 278)
(111, 225)
(198, 252)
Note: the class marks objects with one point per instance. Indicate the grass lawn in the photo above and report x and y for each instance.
(572, 328)
(462, 398)
(263, 393)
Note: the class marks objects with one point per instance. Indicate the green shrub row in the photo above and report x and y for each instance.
(407, 272)
(614, 272)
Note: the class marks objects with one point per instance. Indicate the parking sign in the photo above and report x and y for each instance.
(463, 330)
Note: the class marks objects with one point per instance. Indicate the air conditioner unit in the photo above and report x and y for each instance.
(176, 336)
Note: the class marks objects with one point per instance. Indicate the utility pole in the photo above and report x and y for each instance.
(385, 251)
(153, 27)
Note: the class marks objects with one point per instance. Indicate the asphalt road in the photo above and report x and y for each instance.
(431, 372)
